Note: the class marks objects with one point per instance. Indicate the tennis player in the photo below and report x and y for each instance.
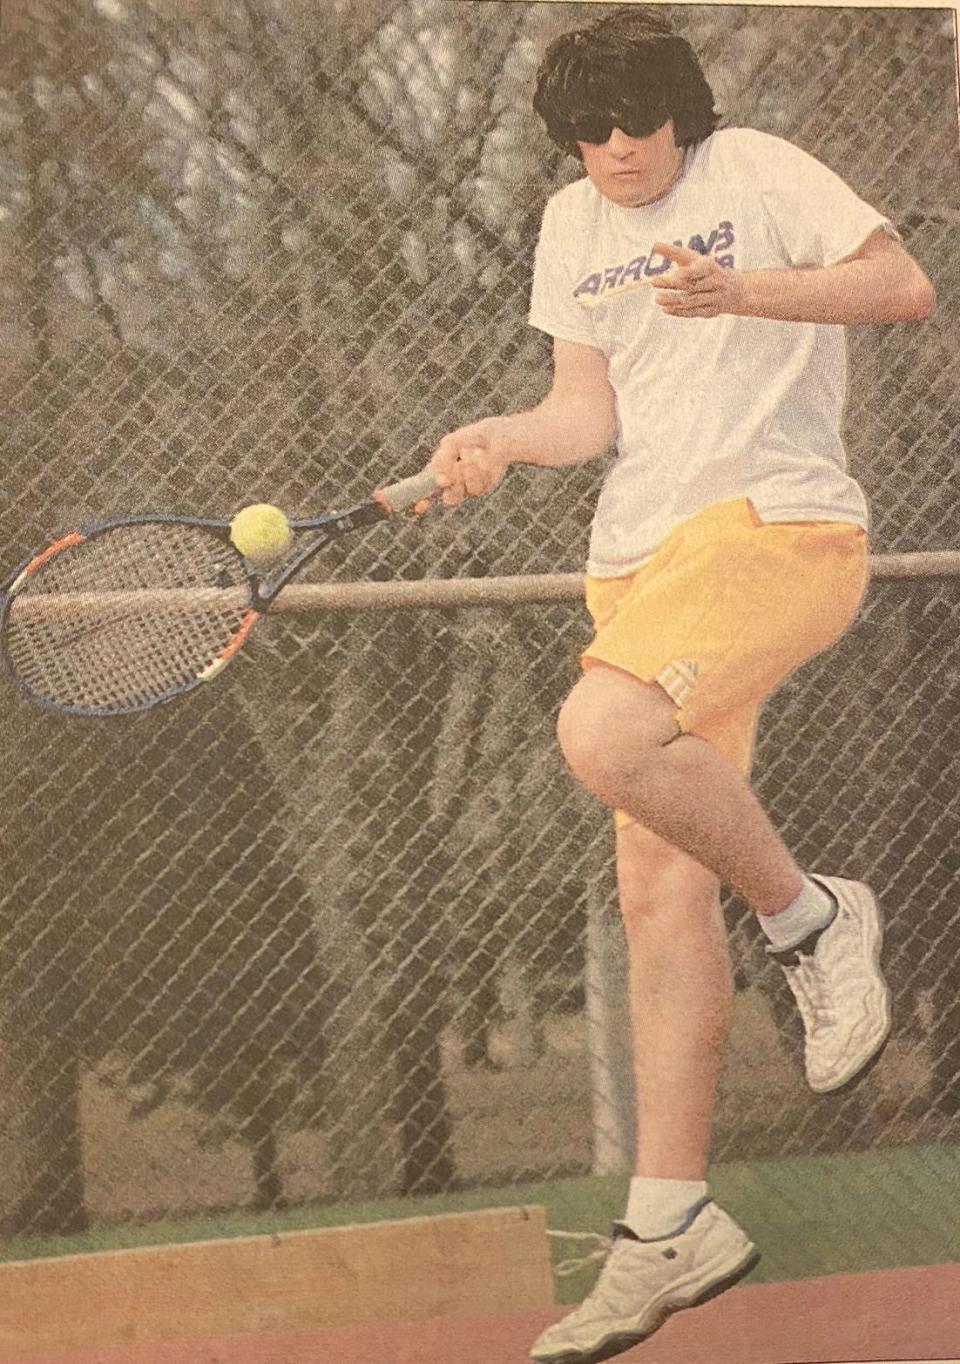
(696, 281)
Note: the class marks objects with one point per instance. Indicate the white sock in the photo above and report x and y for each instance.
(813, 908)
(657, 1207)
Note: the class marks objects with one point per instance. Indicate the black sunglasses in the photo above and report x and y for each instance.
(596, 128)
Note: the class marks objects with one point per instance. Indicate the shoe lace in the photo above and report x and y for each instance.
(601, 1246)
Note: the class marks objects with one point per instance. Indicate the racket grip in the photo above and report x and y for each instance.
(408, 491)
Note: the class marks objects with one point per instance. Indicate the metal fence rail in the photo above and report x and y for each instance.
(322, 933)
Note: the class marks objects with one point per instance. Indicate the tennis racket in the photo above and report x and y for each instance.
(124, 614)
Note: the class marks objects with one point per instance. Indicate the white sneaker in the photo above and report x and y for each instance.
(642, 1282)
(840, 991)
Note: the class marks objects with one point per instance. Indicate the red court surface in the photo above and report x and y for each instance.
(899, 1314)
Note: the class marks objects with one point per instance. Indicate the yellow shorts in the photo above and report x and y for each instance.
(725, 609)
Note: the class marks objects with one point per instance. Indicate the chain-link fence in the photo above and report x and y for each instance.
(320, 932)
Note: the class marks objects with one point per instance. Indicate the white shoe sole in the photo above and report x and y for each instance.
(678, 1297)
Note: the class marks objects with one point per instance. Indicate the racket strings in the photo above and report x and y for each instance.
(127, 617)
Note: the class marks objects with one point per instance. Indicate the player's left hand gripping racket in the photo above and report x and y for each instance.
(124, 614)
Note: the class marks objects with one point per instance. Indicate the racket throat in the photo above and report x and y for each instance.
(264, 591)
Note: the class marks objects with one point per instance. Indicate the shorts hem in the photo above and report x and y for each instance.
(590, 660)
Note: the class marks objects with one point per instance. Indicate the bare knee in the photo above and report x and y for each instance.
(609, 725)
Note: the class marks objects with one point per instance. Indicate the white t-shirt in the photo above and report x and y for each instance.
(708, 408)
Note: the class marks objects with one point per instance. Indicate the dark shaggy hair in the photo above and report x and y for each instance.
(628, 70)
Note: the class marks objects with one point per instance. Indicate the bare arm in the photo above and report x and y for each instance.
(576, 421)
(879, 282)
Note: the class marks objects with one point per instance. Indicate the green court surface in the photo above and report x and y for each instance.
(808, 1215)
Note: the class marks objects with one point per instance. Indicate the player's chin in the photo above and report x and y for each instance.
(624, 199)
(631, 190)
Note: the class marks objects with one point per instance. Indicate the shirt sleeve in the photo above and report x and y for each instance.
(817, 216)
(553, 307)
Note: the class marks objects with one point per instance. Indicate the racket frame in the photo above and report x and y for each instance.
(261, 591)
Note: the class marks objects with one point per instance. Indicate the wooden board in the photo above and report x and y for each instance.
(907, 1315)
(457, 1264)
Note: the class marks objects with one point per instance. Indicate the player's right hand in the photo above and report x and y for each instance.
(467, 462)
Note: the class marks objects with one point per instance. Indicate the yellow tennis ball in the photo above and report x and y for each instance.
(260, 532)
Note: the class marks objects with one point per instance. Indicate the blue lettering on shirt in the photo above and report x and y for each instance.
(616, 278)
(696, 243)
(590, 285)
(612, 276)
(652, 269)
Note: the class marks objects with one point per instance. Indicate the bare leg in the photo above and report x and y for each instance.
(674, 1245)
(681, 994)
(620, 738)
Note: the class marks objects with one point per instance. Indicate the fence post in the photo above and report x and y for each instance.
(608, 1038)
